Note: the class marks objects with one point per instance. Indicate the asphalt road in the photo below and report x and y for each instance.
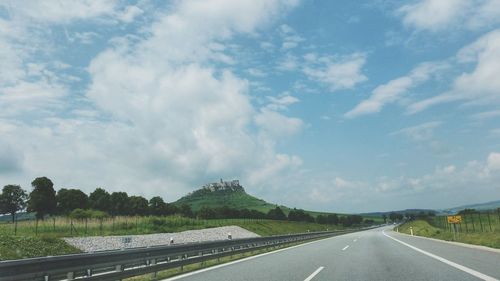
(377, 254)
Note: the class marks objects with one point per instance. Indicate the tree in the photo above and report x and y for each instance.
(467, 211)
(410, 216)
(119, 204)
(171, 209)
(70, 199)
(12, 200)
(206, 213)
(393, 216)
(322, 219)
(384, 216)
(333, 219)
(100, 200)
(276, 214)
(355, 219)
(299, 215)
(138, 205)
(42, 199)
(157, 207)
(186, 211)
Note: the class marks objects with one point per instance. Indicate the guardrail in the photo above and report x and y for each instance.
(120, 264)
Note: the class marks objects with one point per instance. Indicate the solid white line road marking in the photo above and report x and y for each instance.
(314, 274)
(448, 262)
(345, 248)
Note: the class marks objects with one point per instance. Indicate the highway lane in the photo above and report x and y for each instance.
(367, 255)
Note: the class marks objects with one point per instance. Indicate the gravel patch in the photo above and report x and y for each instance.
(104, 243)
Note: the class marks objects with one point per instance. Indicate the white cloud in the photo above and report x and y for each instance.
(28, 88)
(196, 118)
(393, 90)
(432, 14)
(130, 13)
(282, 102)
(85, 37)
(440, 15)
(419, 133)
(58, 11)
(493, 161)
(290, 38)
(268, 46)
(11, 159)
(495, 132)
(288, 63)
(481, 85)
(158, 118)
(338, 74)
(25, 98)
(256, 72)
(278, 125)
(486, 115)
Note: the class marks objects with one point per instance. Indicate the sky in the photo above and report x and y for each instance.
(344, 106)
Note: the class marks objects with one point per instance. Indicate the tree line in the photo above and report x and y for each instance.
(43, 200)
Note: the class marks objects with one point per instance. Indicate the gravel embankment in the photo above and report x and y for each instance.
(103, 243)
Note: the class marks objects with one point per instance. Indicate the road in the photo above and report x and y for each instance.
(377, 254)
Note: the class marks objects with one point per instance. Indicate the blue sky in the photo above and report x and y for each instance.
(342, 106)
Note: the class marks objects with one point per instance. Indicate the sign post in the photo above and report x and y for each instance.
(454, 220)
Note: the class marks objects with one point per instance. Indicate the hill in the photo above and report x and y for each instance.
(412, 211)
(492, 205)
(233, 195)
(478, 206)
(230, 194)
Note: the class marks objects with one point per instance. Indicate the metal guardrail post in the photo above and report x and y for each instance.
(152, 262)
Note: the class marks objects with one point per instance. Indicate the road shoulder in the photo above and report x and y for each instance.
(472, 246)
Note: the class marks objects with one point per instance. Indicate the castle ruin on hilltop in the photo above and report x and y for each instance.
(233, 185)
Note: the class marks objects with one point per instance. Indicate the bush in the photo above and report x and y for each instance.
(80, 214)
(95, 214)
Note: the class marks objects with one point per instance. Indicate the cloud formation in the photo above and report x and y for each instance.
(162, 115)
(337, 73)
(479, 86)
(440, 15)
(393, 90)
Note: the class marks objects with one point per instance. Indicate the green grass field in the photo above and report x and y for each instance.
(64, 227)
(489, 238)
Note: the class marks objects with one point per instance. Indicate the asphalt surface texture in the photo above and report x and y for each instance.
(377, 254)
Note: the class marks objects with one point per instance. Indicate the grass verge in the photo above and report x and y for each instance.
(423, 228)
(21, 247)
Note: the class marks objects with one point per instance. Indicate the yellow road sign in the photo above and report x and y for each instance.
(454, 219)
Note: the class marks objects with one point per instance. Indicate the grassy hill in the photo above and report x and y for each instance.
(405, 211)
(493, 205)
(237, 199)
(478, 207)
